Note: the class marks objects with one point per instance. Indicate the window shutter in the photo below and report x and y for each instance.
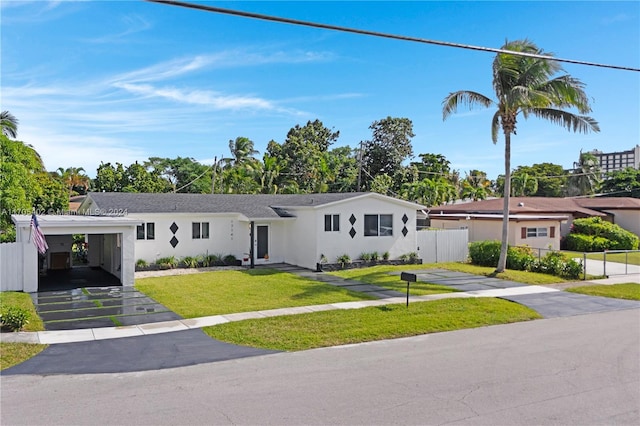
(552, 232)
(523, 233)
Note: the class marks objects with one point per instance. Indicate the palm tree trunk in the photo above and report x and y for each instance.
(502, 261)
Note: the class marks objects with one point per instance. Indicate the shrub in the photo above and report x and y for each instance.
(345, 258)
(582, 242)
(484, 253)
(141, 263)
(520, 258)
(559, 264)
(13, 318)
(367, 257)
(385, 255)
(619, 238)
(413, 257)
(375, 256)
(190, 262)
(229, 259)
(167, 262)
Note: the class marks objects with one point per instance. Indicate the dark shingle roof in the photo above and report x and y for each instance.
(520, 205)
(252, 206)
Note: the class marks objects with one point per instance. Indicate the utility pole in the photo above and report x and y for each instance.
(213, 180)
(359, 166)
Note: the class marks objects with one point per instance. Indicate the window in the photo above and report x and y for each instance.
(150, 229)
(536, 232)
(331, 222)
(199, 230)
(378, 225)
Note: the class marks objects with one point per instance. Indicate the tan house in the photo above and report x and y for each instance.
(535, 221)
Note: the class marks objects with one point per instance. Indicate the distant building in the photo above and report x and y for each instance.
(612, 161)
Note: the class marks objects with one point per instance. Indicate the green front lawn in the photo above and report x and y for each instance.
(331, 328)
(632, 258)
(23, 300)
(225, 292)
(629, 291)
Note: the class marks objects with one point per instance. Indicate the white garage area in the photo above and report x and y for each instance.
(111, 248)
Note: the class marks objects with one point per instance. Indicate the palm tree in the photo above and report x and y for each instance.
(525, 85)
(74, 177)
(523, 184)
(9, 124)
(585, 176)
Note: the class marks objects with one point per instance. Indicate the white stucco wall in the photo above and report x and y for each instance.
(307, 239)
(484, 230)
(627, 219)
(227, 235)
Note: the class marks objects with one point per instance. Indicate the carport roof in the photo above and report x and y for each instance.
(60, 221)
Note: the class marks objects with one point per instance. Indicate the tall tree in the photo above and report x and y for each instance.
(302, 156)
(585, 178)
(75, 179)
(525, 85)
(25, 185)
(622, 183)
(9, 124)
(389, 146)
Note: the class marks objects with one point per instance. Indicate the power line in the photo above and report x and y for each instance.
(379, 34)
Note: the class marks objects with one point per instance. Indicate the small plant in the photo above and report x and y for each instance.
(216, 259)
(344, 259)
(413, 257)
(190, 262)
(404, 257)
(229, 259)
(14, 318)
(141, 263)
(203, 260)
(385, 255)
(375, 256)
(169, 262)
(365, 257)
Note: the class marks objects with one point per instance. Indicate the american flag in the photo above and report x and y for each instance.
(37, 235)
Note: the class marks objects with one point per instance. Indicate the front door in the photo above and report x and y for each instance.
(262, 242)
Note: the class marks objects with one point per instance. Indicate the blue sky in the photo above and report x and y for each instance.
(127, 80)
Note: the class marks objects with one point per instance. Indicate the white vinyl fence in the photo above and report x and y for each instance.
(443, 245)
(11, 266)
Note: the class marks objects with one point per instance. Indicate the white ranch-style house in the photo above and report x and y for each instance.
(260, 229)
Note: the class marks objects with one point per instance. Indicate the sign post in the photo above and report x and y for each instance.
(409, 278)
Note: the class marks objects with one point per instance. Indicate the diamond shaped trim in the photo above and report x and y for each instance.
(405, 231)
(352, 220)
(173, 242)
(404, 218)
(174, 228)
(352, 232)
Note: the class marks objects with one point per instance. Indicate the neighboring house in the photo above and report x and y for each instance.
(534, 221)
(261, 229)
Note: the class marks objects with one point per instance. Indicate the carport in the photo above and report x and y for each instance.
(111, 242)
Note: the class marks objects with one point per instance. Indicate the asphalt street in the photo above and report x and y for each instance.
(577, 370)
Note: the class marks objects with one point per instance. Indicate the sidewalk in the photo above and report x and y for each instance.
(547, 300)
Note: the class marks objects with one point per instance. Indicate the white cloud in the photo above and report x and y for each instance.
(133, 24)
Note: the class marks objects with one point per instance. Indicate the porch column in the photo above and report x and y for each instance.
(252, 234)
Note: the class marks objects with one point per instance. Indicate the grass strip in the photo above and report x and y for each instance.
(339, 327)
(629, 291)
(24, 301)
(225, 292)
(14, 353)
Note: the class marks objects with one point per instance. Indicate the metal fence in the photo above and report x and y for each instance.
(443, 245)
(605, 263)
